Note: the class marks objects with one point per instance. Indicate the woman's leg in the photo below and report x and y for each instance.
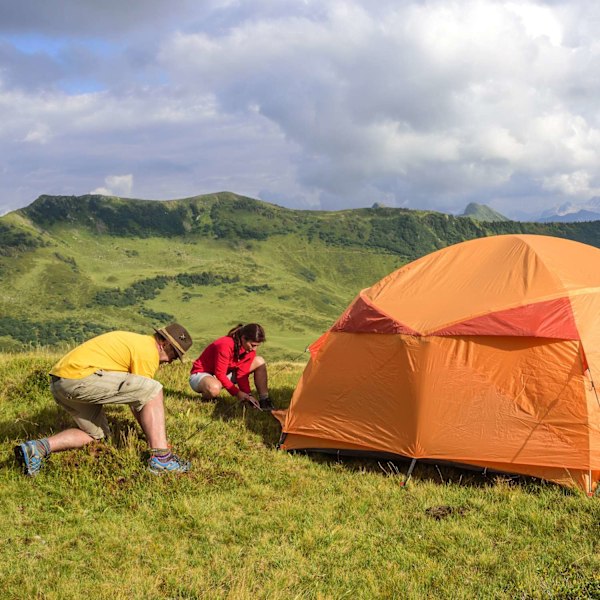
(259, 371)
(261, 382)
(210, 387)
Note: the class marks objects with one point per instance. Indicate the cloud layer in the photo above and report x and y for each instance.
(316, 104)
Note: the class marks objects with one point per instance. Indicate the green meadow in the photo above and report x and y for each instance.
(251, 521)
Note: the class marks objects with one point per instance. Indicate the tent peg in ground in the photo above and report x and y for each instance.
(409, 473)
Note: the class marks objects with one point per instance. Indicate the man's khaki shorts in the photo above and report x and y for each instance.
(83, 398)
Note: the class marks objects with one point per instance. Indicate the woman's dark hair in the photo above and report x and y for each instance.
(253, 332)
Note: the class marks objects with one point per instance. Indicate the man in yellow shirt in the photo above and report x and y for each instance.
(113, 368)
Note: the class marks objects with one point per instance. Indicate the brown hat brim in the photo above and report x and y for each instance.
(165, 334)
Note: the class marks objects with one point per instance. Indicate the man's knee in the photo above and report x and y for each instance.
(89, 418)
(154, 397)
(96, 431)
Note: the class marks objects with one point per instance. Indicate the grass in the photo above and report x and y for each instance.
(253, 522)
(308, 284)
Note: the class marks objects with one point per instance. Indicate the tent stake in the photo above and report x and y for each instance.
(592, 493)
(281, 440)
(409, 474)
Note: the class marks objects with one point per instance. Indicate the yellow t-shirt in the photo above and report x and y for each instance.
(121, 351)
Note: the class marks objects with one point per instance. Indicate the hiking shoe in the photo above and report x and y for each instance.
(173, 464)
(266, 404)
(30, 458)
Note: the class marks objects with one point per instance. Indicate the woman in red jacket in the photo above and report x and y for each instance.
(228, 362)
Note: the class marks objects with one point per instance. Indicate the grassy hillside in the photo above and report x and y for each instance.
(253, 522)
(80, 279)
(71, 267)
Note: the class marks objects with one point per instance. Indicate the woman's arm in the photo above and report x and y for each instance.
(223, 360)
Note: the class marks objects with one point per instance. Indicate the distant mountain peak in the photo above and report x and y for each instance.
(571, 217)
(482, 212)
(570, 212)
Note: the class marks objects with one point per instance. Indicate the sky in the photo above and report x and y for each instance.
(308, 104)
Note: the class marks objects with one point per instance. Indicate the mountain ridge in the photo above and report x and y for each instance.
(75, 265)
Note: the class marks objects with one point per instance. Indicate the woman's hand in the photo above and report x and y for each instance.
(243, 397)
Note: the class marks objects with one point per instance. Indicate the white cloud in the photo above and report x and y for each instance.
(38, 134)
(538, 21)
(477, 86)
(116, 185)
(577, 184)
(333, 103)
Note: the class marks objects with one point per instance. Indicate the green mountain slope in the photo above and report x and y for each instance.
(482, 212)
(71, 267)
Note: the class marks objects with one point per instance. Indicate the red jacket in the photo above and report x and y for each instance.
(218, 360)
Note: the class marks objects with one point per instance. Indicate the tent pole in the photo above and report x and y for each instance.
(586, 367)
(594, 388)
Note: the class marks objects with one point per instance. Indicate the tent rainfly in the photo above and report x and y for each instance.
(483, 353)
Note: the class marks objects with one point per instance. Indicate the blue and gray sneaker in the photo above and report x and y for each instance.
(171, 464)
(30, 457)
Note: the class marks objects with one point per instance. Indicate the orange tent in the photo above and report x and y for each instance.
(483, 353)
